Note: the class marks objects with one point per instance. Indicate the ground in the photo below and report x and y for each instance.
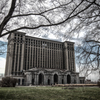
(49, 93)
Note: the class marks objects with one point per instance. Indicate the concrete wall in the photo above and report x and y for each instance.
(48, 77)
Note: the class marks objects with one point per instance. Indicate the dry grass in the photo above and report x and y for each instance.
(49, 93)
(75, 85)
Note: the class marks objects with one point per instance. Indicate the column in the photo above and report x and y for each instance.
(7, 63)
(65, 56)
(18, 54)
(22, 54)
(37, 53)
(65, 79)
(77, 78)
(74, 59)
(59, 79)
(28, 78)
(32, 55)
(10, 57)
(52, 79)
(45, 79)
(36, 79)
(49, 56)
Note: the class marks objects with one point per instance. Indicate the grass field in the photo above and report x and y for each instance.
(49, 93)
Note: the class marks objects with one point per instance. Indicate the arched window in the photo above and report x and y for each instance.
(48, 81)
(62, 81)
(55, 79)
(22, 81)
(68, 79)
(41, 79)
(33, 81)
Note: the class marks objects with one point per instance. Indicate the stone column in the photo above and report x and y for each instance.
(15, 59)
(52, 79)
(59, 79)
(48, 58)
(18, 55)
(65, 56)
(74, 60)
(36, 79)
(77, 78)
(72, 79)
(10, 58)
(28, 78)
(22, 55)
(7, 62)
(45, 79)
(65, 79)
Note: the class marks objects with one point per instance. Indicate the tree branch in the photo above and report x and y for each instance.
(7, 18)
(55, 24)
(92, 41)
(60, 6)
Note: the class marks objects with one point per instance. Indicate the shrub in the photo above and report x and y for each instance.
(98, 83)
(8, 82)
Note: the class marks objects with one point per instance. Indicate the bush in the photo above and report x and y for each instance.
(8, 82)
(98, 83)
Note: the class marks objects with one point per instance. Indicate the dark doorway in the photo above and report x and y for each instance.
(68, 79)
(55, 79)
(48, 81)
(32, 81)
(74, 81)
(41, 79)
(22, 81)
(18, 81)
(62, 81)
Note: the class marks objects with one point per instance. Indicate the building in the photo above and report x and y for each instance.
(39, 61)
(82, 80)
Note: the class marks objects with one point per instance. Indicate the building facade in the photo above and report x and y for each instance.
(39, 61)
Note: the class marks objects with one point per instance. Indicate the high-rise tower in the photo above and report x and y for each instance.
(40, 61)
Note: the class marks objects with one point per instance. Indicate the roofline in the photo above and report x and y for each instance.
(15, 32)
(39, 38)
(19, 32)
(49, 39)
(43, 39)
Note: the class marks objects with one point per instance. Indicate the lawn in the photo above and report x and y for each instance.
(49, 93)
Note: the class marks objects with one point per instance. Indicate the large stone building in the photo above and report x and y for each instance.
(39, 61)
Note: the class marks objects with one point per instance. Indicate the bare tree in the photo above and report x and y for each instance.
(88, 53)
(33, 14)
(80, 15)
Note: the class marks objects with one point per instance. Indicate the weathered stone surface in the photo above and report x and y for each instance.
(36, 61)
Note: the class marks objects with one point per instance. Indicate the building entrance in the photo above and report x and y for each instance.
(41, 79)
(33, 81)
(48, 81)
(62, 81)
(68, 79)
(55, 79)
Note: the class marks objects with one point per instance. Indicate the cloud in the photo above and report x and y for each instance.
(94, 76)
